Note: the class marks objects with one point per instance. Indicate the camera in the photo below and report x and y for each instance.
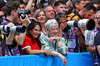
(85, 24)
(4, 29)
(22, 13)
(43, 2)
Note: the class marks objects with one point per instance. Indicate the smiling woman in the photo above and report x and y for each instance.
(41, 17)
(53, 43)
(31, 44)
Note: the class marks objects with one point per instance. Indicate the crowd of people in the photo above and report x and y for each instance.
(46, 28)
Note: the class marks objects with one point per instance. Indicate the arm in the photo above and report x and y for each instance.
(81, 40)
(54, 53)
(61, 28)
(20, 38)
(68, 3)
(29, 51)
(29, 4)
(98, 48)
(89, 35)
(10, 38)
(91, 49)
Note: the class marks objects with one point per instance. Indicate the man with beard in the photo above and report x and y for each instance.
(60, 7)
(87, 12)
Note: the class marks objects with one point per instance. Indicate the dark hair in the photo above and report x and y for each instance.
(76, 2)
(2, 3)
(21, 2)
(89, 6)
(59, 15)
(32, 26)
(58, 3)
(10, 6)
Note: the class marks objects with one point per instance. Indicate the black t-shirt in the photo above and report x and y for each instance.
(97, 43)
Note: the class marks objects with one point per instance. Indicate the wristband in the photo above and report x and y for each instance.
(42, 51)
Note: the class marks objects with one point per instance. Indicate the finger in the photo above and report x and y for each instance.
(63, 63)
(49, 40)
(66, 61)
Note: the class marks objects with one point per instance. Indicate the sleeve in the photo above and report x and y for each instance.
(89, 37)
(97, 42)
(63, 49)
(26, 43)
(45, 44)
(97, 39)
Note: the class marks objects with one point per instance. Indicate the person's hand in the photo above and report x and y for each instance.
(77, 32)
(10, 24)
(63, 25)
(46, 52)
(63, 58)
(24, 21)
(32, 18)
(52, 39)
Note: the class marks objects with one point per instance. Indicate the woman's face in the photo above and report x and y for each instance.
(61, 20)
(41, 17)
(53, 31)
(36, 31)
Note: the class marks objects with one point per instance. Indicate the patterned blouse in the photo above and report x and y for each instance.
(53, 47)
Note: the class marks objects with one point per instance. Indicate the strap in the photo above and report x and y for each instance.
(76, 48)
(75, 15)
(10, 50)
(77, 45)
(4, 46)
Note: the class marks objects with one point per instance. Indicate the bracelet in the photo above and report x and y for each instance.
(42, 51)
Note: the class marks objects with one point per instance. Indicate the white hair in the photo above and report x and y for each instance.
(97, 13)
(50, 23)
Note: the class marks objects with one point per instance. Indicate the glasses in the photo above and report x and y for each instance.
(22, 7)
(97, 18)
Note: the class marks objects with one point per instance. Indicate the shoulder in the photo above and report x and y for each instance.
(70, 16)
(97, 39)
(5, 21)
(98, 34)
(27, 38)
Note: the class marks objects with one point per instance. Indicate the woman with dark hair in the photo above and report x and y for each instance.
(31, 44)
